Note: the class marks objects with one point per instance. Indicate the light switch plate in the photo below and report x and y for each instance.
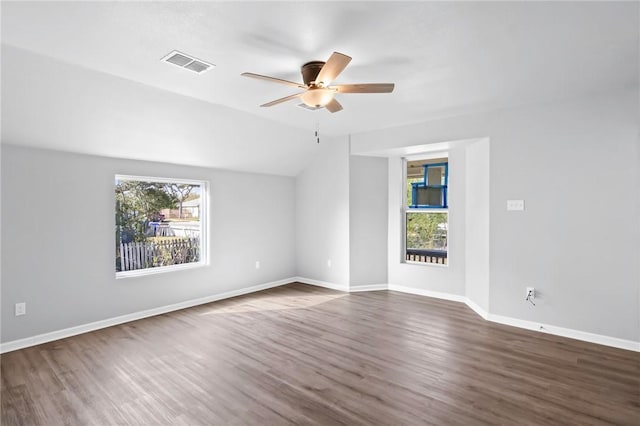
(21, 309)
(515, 205)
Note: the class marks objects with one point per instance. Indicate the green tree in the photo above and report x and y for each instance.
(427, 230)
(138, 203)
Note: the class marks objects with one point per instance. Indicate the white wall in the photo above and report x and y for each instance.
(322, 215)
(58, 239)
(55, 105)
(435, 278)
(575, 163)
(580, 252)
(578, 239)
(368, 200)
(477, 218)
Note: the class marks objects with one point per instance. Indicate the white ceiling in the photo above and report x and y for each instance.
(446, 58)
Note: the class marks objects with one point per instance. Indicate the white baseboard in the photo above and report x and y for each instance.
(342, 287)
(325, 284)
(428, 293)
(368, 287)
(599, 339)
(529, 325)
(97, 325)
(478, 310)
(515, 322)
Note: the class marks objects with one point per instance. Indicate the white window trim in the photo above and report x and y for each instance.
(159, 270)
(405, 209)
(204, 227)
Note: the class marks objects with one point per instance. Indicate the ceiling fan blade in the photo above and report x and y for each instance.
(332, 68)
(275, 80)
(364, 88)
(333, 106)
(281, 100)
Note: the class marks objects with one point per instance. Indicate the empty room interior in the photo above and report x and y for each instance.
(331, 213)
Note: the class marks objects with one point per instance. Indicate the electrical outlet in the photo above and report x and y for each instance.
(515, 205)
(21, 308)
(257, 264)
(328, 263)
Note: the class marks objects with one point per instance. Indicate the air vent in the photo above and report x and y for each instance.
(187, 62)
(310, 108)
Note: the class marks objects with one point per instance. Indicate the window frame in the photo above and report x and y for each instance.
(443, 188)
(404, 235)
(204, 225)
(406, 208)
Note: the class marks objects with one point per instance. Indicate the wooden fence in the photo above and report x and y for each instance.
(151, 254)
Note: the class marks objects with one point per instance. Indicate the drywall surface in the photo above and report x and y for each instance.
(322, 215)
(436, 278)
(368, 200)
(575, 165)
(577, 240)
(477, 223)
(58, 238)
(54, 105)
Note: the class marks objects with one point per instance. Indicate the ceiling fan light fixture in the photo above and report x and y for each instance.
(317, 97)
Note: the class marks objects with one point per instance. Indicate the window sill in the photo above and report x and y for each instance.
(439, 265)
(159, 270)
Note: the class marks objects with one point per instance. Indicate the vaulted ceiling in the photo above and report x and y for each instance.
(446, 58)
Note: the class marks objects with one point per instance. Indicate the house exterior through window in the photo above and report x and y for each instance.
(160, 224)
(426, 211)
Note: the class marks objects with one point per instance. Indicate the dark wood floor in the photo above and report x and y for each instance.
(304, 355)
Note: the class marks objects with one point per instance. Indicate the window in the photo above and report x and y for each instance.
(426, 217)
(160, 224)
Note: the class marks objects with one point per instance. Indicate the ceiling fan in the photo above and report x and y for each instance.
(317, 77)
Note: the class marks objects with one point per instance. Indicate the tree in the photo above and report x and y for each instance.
(180, 192)
(426, 230)
(138, 203)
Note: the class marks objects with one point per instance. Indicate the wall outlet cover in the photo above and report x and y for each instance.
(21, 308)
(515, 205)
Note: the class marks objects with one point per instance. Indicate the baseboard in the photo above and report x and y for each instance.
(428, 293)
(368, 287)
(567, 332)
(97, 325)
(342, 287)
(529, 325)
(515, 322)
(478, 310)
(325, 284)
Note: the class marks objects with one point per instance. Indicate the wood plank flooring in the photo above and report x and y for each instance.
(304, 355)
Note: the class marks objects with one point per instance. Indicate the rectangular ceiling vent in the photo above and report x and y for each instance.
(185, 61)
(310, 108)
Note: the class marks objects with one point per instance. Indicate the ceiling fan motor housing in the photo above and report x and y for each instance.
(310, 71)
